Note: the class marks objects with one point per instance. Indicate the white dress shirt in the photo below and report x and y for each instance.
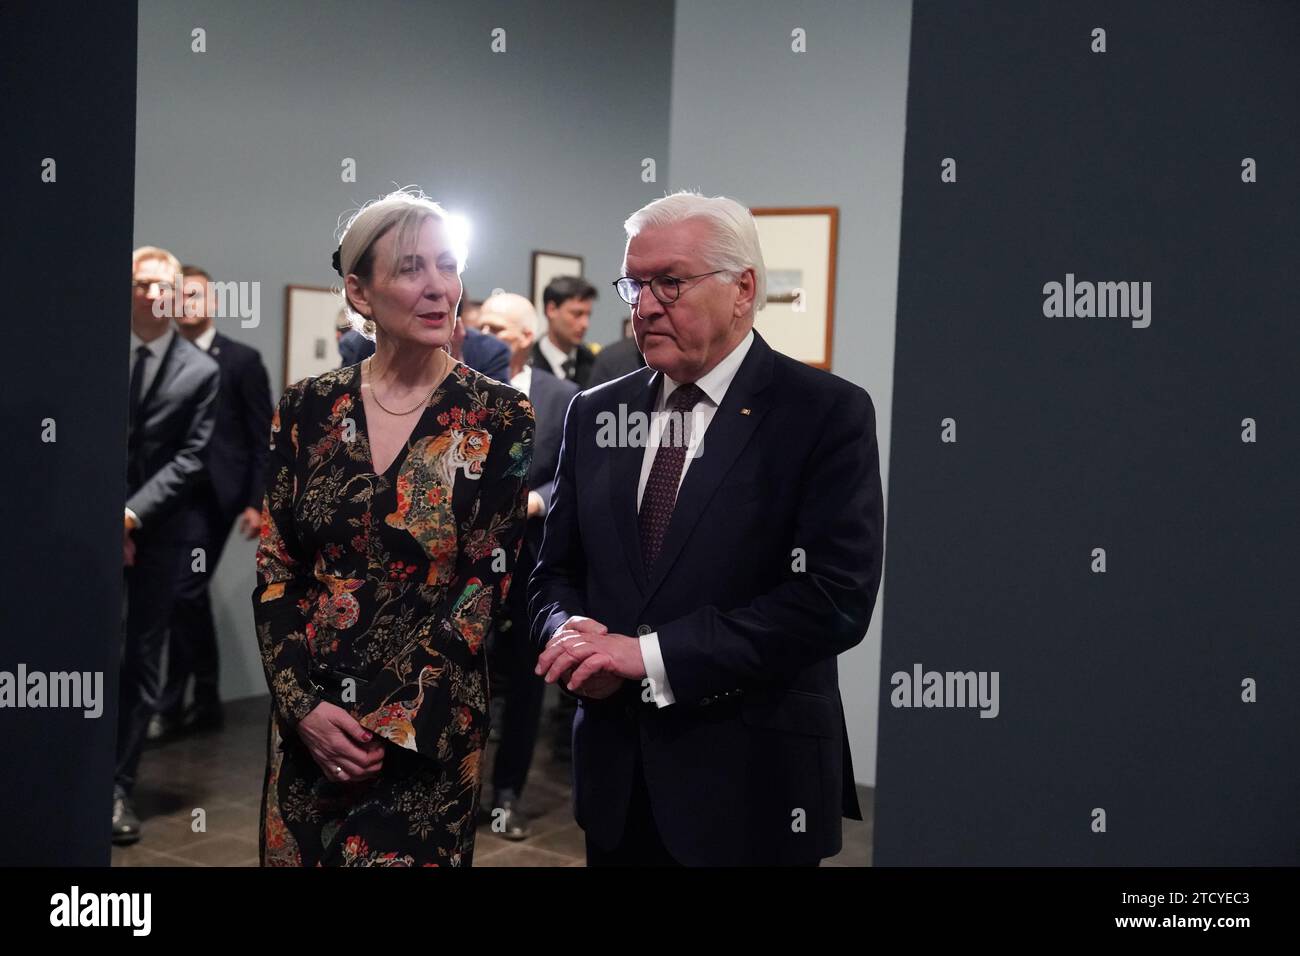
(153, 361)
(555, 358)
(204, 341)
(714, 384)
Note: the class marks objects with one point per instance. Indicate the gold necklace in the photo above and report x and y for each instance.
(374, 392)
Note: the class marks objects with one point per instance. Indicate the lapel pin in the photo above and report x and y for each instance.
(744, 411)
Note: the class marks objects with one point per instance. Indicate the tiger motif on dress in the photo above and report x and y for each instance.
(424, 491)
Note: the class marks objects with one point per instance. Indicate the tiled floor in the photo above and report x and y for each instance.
(221, 775)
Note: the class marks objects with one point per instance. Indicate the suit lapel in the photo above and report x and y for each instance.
(625, 475)
(539, 360)
(170, 362)
(727, 435)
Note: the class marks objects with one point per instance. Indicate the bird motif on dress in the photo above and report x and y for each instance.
(394, 721)
(470, 613)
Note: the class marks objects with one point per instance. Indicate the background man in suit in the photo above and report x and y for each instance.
(568, 301)
(513, 320)
(481, 352)
(354, 348)
(469, 312)
(172, 400)
(695, 592)
(230, 487)
(615, 361)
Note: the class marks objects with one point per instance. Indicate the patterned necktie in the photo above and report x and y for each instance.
(660, 495)
(137, 383)
(568, 367)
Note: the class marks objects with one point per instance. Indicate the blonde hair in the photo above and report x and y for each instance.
(155, 252)
(405, 210)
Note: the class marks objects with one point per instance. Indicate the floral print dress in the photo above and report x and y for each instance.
(393, 580)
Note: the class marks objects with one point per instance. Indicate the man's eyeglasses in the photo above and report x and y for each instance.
(667, 289)
(144, 285)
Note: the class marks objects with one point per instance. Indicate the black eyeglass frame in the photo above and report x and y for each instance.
(641, 284)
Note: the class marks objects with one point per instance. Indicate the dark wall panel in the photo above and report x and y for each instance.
(1121, 690)
(69, 76)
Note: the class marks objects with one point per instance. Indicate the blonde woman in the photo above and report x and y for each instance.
(395, 503)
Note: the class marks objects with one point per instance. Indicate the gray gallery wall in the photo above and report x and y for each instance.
(238, 154)
(754, 120)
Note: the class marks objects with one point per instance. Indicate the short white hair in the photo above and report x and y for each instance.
(733, 246)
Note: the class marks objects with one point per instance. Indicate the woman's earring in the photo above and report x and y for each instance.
(368, 326)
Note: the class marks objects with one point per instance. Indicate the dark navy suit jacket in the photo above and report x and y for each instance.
(769, 569)
(236, 456)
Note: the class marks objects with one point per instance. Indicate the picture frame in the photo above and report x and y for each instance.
(311, 316)
(799, 246)
(547, 266)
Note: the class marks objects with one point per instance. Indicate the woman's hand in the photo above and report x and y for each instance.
(250, 523)
(341, 747)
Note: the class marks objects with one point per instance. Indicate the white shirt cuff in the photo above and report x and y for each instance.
(542, 501)
(654, 670)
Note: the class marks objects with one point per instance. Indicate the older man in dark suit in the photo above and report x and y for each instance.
(700, 573)
(513, 320)
(172, 411)
(231, 486)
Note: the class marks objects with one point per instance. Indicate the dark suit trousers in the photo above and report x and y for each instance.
(522, 694)
(192, 648)
(641, 844)
(150, 594)
(562, 717)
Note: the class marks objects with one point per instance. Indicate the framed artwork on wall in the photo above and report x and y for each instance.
(312, 315)
(547, 266)
(799, 250)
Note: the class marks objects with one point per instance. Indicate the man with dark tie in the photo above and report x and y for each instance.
(171, 402)
(699, 574)
(513, 320)
(230, 487)
(568, 301)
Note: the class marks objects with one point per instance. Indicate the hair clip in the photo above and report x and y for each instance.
(338, 266)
